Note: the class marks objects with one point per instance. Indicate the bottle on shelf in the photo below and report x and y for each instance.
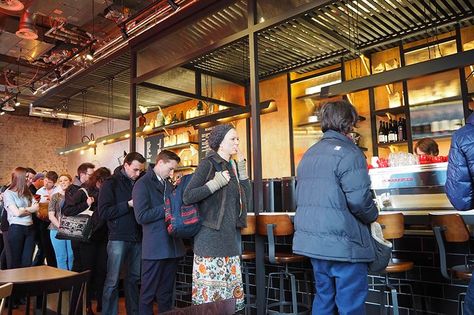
(382, 133)
(400, 130)
(181, 116)
(141, 120)
(392, 134)
(175, 119)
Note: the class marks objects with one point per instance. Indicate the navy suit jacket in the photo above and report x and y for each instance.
(148, 204)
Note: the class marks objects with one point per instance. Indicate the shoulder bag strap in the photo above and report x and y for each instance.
(87, 194)
(234, 168)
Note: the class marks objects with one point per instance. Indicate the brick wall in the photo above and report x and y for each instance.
(30, 142)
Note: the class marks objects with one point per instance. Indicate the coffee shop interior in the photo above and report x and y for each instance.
(88, 81)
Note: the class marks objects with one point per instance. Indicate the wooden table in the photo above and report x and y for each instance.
(23, 276)
(32, 274)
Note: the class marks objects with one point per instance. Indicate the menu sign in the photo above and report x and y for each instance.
(153, 146)
(204, 147)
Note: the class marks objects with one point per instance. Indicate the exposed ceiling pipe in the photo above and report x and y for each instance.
(26, 28)
(11, 7)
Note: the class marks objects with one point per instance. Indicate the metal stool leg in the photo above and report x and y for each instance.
(394, 294)
(294, 301)
(461, 297)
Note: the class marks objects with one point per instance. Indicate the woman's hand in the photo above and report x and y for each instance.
(34, 207)
(90, 201)
(240, 155)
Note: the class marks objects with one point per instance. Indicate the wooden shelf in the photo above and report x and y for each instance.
(438, 102)
(310, 124)
(314, 96)
(393, 111)
(318, 123)
(382, 145)
(185, 168)
(181, 145)
(434, 136)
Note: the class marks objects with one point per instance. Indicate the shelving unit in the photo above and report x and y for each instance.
(185, 168)
(384, 145)
(318, 123)
(392, 111)
(181, 145)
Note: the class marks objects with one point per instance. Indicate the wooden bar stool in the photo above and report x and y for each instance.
(452, 229)
(248, 256)
(272, 226)
(393, 228)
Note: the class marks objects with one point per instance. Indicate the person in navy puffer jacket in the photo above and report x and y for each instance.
(334, 211)
(460, 182)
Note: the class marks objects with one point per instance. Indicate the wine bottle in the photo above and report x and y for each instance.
(400, 130)
(381, 132)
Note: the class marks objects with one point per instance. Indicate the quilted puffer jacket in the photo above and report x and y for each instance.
(460, 177)
(334, 202)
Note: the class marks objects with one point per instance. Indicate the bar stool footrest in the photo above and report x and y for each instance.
(305, 308)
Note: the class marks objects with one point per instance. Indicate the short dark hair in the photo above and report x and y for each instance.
(82, 169)
(166, 155)
(339, 116)
(30, 170)
(428, 146)
(99, 175)
(52, 176)
(134, 156)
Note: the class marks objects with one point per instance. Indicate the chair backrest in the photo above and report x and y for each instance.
(393, 225)
(452, 225)
(282, 225)
(5, 291)
(251, 226)
(222, 307)
(449, 228)
(74, 284)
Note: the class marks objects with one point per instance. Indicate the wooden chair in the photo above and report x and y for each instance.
(246, 257)
(272, 226)
(223, 307)
(452, 229)
(393, 227)
(74, 284)
(5, 292)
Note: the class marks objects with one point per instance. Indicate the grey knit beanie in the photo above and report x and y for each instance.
(217, 135)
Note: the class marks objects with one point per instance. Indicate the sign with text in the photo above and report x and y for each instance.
(153, 146)
(204, 147)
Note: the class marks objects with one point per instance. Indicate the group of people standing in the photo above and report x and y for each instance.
(129, 232)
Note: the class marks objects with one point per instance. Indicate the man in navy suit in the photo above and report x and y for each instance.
(160, 252)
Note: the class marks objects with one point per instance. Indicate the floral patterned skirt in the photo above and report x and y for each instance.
(217, 278)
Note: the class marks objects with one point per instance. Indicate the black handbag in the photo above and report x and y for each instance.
(76, 228)
(382, 248)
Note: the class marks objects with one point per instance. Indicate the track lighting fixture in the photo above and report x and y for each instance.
(173, 5)
(90, 54)
(17, 103)
(123, 32)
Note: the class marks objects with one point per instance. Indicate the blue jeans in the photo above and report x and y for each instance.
(62, 250)
(341, 287)
(21, 239)
(469, 299)
(119, 252)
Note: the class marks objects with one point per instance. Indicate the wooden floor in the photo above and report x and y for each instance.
(21, 309)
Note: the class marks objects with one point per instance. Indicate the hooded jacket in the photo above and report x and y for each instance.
(460, 177)
(334, 202)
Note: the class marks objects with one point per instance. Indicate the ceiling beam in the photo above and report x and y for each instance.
(190, 95)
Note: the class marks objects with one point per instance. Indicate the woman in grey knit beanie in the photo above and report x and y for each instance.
(222, 189)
